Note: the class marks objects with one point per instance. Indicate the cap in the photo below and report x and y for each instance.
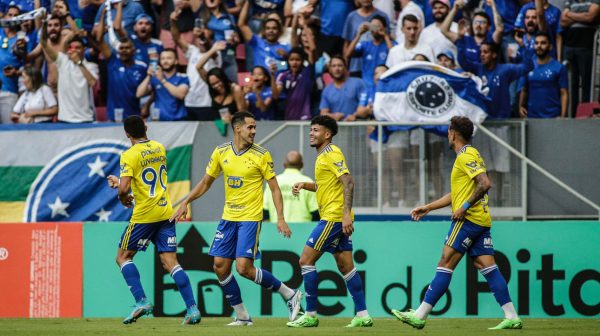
(446, 53)
(142, 17)
(444, 2)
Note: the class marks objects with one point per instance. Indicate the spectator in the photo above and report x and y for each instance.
(125, 74)
(432, 35)
(447, 60)
(545, 89)
(297, 84)
(364, 13)
(10, 62)
(580, 20)
(411, 46)
(265, 49)
(37, 103)
(169, 87)
(227, 97)
(553, 29)
(147, 49)
(197, 101)
(508, 11)
(333, 15)
(296, 209)
(481, 27)
(340, 99)
(23, 5)
(259, 96)
(372, 52)
(216, 17)
(131, 10)
(67, 13)
(76, 77)
(185, 22)
(408, 7)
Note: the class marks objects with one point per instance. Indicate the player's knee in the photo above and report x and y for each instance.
(305, 261)
(244, 270)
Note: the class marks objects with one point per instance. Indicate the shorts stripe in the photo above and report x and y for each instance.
(455, 231)
(125, 242)
(256, 240)
(324, 235)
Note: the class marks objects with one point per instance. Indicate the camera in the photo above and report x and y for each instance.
(199, 23)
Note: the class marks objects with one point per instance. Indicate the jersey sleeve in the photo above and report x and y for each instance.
(336, 162)
(470, 164)
(126, 165)
(213, 168)
(267, 166)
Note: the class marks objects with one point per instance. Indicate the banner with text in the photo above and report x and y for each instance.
(552, 269)
(40, 270)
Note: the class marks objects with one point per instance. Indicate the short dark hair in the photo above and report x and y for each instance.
(339, 57)
(172, 50)
(483, 15)
(542, 34)
(327, 122)
(134, 126)
(411, 18)
(272, 20)
(381, 19)
(494, 47)
(298, 51)
(239, 118)
(76, 38)
(462, 125)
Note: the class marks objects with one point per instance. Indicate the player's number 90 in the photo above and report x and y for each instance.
(150, 177)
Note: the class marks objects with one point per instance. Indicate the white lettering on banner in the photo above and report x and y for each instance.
(3, 253)
(44, 283)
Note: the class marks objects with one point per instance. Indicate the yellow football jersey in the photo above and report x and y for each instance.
(243, 175)
(330, 165)
(467, 165)
(146, 164)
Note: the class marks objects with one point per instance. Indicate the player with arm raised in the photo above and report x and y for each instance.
(144, 171)
(335, 189)
(469, 232)
(245, 166)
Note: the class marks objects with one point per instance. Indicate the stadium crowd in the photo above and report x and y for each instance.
(204, 60)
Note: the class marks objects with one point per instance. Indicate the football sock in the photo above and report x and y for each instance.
(132, 278)
(241, 312)
(266, 279)
(423, 311)
(355, 287)
(498, 286)
(183, 283)
(311, 283)
(438, 286)
(231, 290)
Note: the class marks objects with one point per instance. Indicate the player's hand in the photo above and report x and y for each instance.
(297, 188)
(283, 228)
(347, 225)
(523, 112)
(419, 212)
(113, 181)
(128, 201)
(180, 214)
(459, 214)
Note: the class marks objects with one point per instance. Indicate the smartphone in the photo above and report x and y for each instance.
(199, 23)
(281, 65)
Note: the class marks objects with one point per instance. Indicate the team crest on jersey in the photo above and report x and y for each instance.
(72, 186)
(339, 164)
(472, 164)
(430, 96)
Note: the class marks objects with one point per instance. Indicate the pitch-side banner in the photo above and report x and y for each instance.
(552, 270)
(41, 270)
(425, 92)
(58, 172)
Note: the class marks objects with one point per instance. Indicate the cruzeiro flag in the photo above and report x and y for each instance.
(58, 172)
(425, 92)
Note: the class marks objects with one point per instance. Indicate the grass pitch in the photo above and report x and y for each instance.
(276, 326)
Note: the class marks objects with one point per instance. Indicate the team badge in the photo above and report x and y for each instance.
(430, 96)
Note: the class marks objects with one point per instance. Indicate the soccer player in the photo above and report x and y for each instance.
(469, 232)
(333, 233)
(144, 171)
(245, 166)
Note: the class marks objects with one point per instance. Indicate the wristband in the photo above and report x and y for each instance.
(466, 205)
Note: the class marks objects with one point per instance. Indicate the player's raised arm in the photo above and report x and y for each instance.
(420, 212)
(348, 183)
(282, 226)
(199, 190)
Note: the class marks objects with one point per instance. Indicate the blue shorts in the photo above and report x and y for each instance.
(466, 236)
(328, 237)
(137, 237)
(236, 239)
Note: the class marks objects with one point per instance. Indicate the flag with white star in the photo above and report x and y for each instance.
(58, 172)
(421, 92)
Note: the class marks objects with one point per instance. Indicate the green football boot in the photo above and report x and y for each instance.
(409, 318)
(515, 323)
(304, 321)
(365, 321)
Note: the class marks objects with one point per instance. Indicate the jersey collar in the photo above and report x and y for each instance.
(240, 153)
(324, 148)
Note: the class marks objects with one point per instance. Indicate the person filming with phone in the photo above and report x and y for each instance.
(10, 62)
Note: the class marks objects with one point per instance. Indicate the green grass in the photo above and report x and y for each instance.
(276, 326)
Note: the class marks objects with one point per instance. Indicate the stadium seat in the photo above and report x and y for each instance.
(585, 110)
(101, 114)
(244, 78)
